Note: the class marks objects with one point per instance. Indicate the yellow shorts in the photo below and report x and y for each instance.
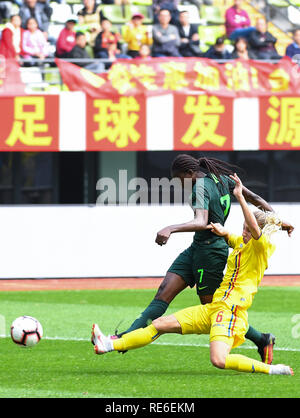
(222, 322)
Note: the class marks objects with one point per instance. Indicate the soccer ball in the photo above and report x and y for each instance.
(26, 331)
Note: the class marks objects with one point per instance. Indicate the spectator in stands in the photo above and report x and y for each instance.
(107, 44)
(41, 12)
(237, 21)
(136, 34)
(189, 36)
(90, 15)
(12, 37)
(144, 52)
(5, 10)
(79, 52)
(170, 5)
(218, 51)
(294, 48)
(262, 42)
(166, 39)
(34, 43)
(66, 40)
(241, 50)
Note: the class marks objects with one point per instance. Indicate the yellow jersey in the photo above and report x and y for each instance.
(136, 36)
(246, 266)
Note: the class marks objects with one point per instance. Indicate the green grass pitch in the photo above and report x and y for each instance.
(64, 365)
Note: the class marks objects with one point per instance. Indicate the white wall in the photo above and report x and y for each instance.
(85, 241)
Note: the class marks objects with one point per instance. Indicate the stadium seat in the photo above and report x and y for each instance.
(295, 3)
(212, 15)
(61, 12)
(294, 15)
(53, 88)
(54, 30)
(209, 34)
(32, 77)
(52, 76)
(76, 7)
(114, 13)
(142, 2)
(278, 3)
(143, 9)
(193, 12)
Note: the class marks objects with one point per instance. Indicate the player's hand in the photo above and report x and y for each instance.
(288, 228)
(218, 229)
(238, 190)
(163, 236)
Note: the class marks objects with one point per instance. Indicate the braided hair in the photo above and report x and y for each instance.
(184, 163)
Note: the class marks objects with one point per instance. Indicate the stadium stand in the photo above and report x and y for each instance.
(283, 16)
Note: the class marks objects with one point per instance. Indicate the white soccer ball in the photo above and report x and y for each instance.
(26, 331)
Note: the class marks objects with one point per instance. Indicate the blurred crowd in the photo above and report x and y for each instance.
(90, 34)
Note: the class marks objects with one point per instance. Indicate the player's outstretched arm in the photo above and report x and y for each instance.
(199, 223)
(248, 214)
(256, 200)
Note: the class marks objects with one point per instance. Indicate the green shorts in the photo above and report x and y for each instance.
(202, 265)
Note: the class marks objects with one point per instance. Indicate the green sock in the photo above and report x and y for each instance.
(156, 309)
(254, 335)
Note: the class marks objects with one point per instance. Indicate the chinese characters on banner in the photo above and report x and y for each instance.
(203, 122)
(236, 78)
(204, 107)
(116, 124)
(279, 123)
(31, 123)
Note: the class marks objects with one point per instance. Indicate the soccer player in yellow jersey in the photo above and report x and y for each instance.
(225, 318)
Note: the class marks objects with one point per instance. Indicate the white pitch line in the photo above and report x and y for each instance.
(201, 345)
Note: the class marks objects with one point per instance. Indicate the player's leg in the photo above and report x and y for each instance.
(135, 339)
(220, 357)
(208, 266)
(264, 342)
(178, 277)
(228, 328)
(167, 291)
(193, 320)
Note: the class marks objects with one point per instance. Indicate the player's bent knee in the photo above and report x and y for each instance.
(218, 360)
(167, 324)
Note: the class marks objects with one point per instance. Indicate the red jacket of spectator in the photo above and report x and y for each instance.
(65, 42)
(11, 41)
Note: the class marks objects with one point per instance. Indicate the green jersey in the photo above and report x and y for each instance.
(215, 196)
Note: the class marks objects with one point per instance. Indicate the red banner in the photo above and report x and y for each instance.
(203, 122)
(235, 78)
(31, 123)
(116, 124)
(279, 123)
(10, 78)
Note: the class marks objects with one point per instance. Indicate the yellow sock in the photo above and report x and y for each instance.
(245, 364)
(135, 339)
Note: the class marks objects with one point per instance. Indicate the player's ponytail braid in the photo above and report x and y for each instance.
(269, 222)
(216, 167)
(184, 163)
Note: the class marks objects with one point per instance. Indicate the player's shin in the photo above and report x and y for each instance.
(245, 364)
(136, 339)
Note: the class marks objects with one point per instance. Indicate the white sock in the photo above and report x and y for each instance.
(280, 369)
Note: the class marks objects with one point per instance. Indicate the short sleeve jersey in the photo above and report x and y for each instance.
(246, 266)
(213, 195)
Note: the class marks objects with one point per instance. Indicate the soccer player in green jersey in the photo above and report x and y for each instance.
(203, 263)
